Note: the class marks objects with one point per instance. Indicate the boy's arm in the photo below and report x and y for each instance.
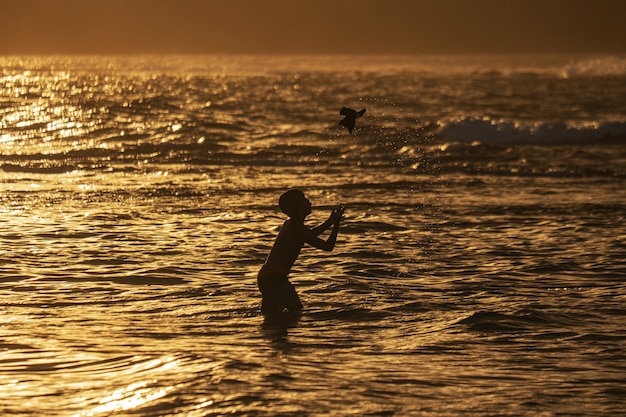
(329, 244)
(318, 230)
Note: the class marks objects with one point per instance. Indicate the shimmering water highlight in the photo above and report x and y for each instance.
(480, 268)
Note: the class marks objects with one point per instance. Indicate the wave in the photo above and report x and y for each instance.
(518, 322)
(486, 131)
(598, 66)
(260, 65)
(560, 66)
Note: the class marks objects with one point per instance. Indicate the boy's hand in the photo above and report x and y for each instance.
(337, 213)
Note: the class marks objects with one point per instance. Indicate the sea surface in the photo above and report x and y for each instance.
(480, 269)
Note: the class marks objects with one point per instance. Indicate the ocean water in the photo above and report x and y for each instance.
(480, 269)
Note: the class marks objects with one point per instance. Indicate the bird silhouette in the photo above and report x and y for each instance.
(350, 117)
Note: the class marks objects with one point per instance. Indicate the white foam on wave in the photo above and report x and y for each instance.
(468, 130)
(596, 66)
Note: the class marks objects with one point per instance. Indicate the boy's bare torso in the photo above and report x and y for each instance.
(288, 245)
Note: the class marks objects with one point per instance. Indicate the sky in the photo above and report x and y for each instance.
(311, 26)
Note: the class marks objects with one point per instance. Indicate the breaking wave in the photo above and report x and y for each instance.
(508, 133)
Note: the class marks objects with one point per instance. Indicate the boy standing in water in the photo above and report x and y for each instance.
(278, 293)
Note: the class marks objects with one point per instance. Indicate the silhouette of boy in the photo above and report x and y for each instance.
(278, 293)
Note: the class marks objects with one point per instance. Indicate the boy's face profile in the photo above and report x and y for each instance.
(306, 206)
(302, 207)
(295, 204)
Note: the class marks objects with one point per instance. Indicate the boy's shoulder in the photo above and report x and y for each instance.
(291, 225)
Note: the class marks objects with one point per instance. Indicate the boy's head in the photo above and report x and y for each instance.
(291, 201)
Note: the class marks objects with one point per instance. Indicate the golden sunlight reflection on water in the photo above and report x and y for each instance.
(134, 394)
(129, 250)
